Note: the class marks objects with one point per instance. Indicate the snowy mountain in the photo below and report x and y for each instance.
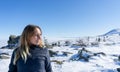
(114, 31)
(111, 36)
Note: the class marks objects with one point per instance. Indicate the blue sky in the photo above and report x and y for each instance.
(59, 18)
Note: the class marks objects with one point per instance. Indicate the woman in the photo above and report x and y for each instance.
(30, 56)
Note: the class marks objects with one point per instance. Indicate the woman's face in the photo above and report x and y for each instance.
(36, 37)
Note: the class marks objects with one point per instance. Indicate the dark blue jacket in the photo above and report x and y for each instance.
(39, 61)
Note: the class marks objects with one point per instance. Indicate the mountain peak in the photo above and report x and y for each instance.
(114, 31)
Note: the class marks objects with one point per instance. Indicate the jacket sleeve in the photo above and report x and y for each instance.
(12, 67)
(48, 62)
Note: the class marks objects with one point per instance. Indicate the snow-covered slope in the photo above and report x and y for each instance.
(107, 63)
(3, 43)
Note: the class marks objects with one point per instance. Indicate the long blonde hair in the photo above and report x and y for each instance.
(23, 49)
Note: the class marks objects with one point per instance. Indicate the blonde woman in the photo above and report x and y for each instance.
(30, 56)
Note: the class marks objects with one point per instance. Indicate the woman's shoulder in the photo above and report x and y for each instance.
(46, 52)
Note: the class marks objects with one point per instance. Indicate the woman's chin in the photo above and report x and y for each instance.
(37, 43)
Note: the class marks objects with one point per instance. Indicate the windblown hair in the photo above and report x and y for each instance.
(23, 49)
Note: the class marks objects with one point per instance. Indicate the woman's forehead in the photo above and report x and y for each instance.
(37, 30)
